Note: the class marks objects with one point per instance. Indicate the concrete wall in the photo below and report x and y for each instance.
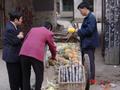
(8, 6)
(98, 9)
(45, 15)
(77, 14)
(38, 16)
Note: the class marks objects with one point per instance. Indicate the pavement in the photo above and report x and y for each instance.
(106, 73)
(103, 72)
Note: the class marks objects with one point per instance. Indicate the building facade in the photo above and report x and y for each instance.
(41, 10)
(68, 8)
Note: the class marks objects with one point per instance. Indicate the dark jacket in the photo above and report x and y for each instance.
(88, 32)
(11, 44)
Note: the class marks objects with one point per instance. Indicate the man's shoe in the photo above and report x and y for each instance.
(92, 81)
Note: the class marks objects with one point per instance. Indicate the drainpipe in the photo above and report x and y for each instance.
(73, 11)
(103, 27)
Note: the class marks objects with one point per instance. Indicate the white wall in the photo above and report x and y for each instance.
(76, 11)
(98, 9)
(61, 5)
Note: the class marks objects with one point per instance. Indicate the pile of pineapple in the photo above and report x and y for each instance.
(68, 53)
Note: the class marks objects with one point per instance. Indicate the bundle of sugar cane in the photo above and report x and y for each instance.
(71, 74)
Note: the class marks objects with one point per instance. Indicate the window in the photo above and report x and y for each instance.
(67, 5)
(91, 4)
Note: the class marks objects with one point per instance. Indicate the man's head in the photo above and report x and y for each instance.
(48, 25)
(16, 17)
(84, 8)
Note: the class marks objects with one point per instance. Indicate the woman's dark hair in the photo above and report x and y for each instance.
(15, 15)
(48, 25)
(84, 4)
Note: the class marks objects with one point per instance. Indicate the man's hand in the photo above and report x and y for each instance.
(20, 35)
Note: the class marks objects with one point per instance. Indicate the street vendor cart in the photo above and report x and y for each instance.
(71, 74)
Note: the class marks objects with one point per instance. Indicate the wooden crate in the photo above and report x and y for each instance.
(73, 84)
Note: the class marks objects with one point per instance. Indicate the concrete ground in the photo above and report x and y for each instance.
(103, 72)
(106, 72)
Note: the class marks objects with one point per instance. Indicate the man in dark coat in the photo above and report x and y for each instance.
(12, 41)
(89, 37)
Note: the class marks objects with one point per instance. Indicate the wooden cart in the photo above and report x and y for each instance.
(83, 83)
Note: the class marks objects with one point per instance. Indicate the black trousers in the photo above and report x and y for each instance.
(38, 68)
(90, 52)
(15, 75)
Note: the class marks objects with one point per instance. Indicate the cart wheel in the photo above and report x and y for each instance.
(87, 70)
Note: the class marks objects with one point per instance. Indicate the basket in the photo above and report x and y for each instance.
(71, 77)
